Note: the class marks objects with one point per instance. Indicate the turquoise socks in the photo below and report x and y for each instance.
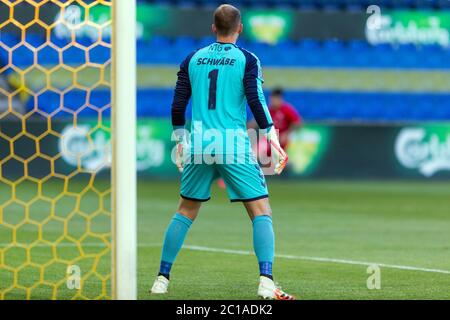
(264, 244)
(173, 241)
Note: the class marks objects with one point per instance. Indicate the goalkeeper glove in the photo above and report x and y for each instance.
(182, 151)
(279, 156)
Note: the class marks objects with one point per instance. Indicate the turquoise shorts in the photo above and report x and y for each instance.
(244, 181)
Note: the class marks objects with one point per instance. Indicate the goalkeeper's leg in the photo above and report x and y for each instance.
(173, 241)
(264, 245)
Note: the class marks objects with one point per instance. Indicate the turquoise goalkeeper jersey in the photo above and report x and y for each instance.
(220, 79)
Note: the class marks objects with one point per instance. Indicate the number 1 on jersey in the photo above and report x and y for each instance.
(212, 76)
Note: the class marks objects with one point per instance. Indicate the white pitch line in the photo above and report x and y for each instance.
(246, 253)
(319, 259)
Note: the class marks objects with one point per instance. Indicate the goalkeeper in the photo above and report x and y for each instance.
(219, 79)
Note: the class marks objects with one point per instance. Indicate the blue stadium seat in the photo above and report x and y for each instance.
(48, 102)
(9, 40)
(74, 56)
(60, 42)
(185, 43)
(445, 4)
(85, 41)
(425, 3)
(99, 54)
(22, 57)
(160, 41)
(75, 99)
(205, 41)
(4, 56)
(318, 106)
(34, 40)
(48, 55)
(340, 106)
(305, 4)
(307, 52)
(99, 98)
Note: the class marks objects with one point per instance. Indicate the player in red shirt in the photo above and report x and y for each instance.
(285, 118)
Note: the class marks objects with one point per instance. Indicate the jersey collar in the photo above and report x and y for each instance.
(226, 43)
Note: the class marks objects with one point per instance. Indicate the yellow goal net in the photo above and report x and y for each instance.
(55, 149)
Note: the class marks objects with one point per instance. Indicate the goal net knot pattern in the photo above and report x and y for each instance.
(55, 212)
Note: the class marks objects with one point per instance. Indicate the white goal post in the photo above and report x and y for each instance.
(124, 240)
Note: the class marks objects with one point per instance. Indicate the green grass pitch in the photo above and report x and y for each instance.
(396, 223)
(405, 224)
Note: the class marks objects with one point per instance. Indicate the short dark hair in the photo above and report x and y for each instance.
(278, 92)
(227, 19)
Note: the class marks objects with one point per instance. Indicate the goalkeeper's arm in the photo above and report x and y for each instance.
(181, 98)
(257, 103)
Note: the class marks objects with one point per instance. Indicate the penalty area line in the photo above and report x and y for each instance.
(319, 259)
